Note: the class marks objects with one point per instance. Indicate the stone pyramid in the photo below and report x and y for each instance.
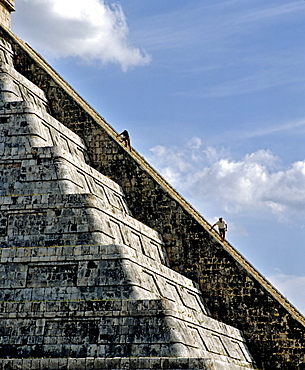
(103, 264)
(80, 277)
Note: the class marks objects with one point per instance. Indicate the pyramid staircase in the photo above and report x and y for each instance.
(83, 284)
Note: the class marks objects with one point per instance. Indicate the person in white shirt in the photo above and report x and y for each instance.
(222, 227)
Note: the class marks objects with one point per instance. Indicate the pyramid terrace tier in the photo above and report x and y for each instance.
(110, 328)
(73, 219)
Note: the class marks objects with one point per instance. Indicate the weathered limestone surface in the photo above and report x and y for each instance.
(145, 363)
(83, 284)
(6, 7)
(234, 291)
(89, 302)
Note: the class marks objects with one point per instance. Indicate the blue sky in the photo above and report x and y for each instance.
(213, 95)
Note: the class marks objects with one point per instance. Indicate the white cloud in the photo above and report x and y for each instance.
(254, 183)
(176, 158)
(292, 287)
(90, 30)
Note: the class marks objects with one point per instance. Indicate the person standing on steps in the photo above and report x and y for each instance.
(125, 138)
(222, 227)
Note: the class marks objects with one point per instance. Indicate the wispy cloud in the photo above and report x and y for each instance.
(210, 22)
(237, 16)
(220, 43)
(261, 74)
(272, 12)
(261, 81)
(89, 30)
(293, 128)
(268, 130)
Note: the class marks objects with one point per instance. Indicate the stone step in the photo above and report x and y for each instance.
(140, 363)
(48, 170)
(23, 127)
(109, 328)
(92, 272)
(73, 219)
